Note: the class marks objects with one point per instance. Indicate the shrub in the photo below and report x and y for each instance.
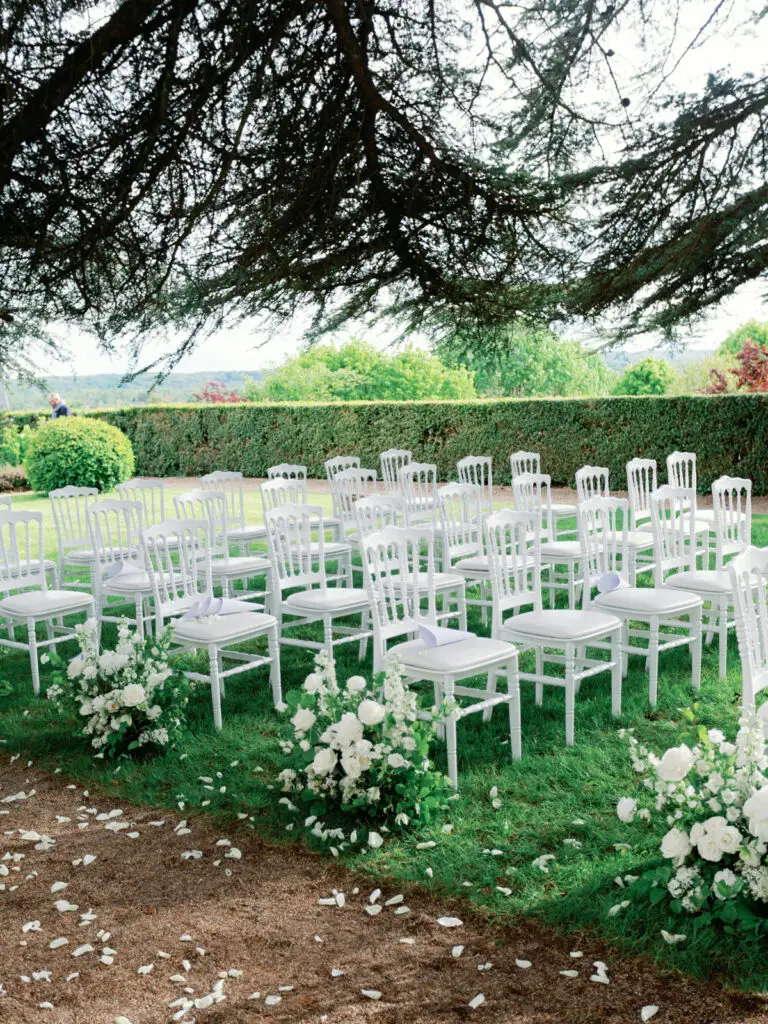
(13, 478)
(80, 452)
(648, 377)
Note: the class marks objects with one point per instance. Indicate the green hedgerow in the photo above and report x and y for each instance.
(75, 451)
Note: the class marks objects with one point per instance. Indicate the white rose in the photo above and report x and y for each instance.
(356, 684)
(715, 736)
(375, 840)
(313, 683)
(728, 838)
(304, 745)
(715, 782)
(303, 720)
(396, 761)
(324, 762)
(154, 712)
(697, 831)
(90, 672)
(133, 695)
(626, 809)
(348, 730)
(727, 749)
(675, 764)
(725, 878)
(756, 808)
(675, 845)
(86, 708)
(370, 712)
(709, 847)
(714, 824)
(157, 677)
(728, 796)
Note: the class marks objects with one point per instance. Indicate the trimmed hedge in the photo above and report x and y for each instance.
(729, 433)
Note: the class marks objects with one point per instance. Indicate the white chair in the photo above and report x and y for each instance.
(6, 504)
(51, 567)
(749, 579)
(400, 581)
(530, 462)
(418, 485)
(516, 585)
(675, 552)
(392, 461)
(226, 569)
(350, 485)
(478, 470)
(150, 493)
(641, 483)
(654, 609)
(592, 482)
(239, 532)
(69, 506)
(461, 538)
(377, 512)
(293, 475)
(732, 505)
(288, 471)
(532, 497)
(681, 473)
(335, 466)
(299, 562)
(22, 570)
(177, 554)
(115, 529)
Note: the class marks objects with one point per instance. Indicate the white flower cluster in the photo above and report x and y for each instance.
(349, 744)
(117, 692)
(713, 798)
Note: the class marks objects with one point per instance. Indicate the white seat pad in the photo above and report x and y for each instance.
(220, 628)
(648, 600)
(246, 533)
(561, 508)
(639, 539)
(332, 599)
(241, 566)
(561, 624)
(52, 602)
(475, 563)
(565, 549)
(129, 584)
(708, 579)
(458, 657)
(443, 581)
(80, 556)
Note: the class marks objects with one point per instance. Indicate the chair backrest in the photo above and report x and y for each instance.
(512, 543)
(297, 560)
(176, 554)
(749, 579)
(352, 485)
(642, 482)
(460, 521)
(282, 491)
(230, 484)
(115, 531)
(332, 469)
(604, 544)
(681, 470)
(22, 561)
(5, 503)
(592, 482)
(533, 496)
(150, 492)
(674, 531)
(399, 572)
(377, 512)
(392, 461)
(69, 506)
(524, 462)
(288, 471)
(732, 504)
(478, 470)
(418, 481)
(211, 506)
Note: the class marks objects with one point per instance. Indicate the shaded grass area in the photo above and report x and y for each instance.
(556, 800)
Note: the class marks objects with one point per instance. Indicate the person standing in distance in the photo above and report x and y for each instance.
(58, 406)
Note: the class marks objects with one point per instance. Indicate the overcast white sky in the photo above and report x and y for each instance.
(245, 348)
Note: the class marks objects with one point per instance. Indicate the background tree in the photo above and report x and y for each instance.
(650, 376)
(752, 330)
(750, 372)
(357, 371)
(170, 162)
(526, 361)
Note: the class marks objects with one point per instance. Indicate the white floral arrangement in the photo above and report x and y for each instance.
(358, 759)
(128, 699)
(712, 800)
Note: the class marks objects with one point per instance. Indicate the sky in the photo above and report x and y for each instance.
(246, 347)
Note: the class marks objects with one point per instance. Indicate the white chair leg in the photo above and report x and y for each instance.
(515, 732)
(222, 680)
(539, 672)
(571, 585)
(570, 695)
(364, 623)
(616, 673)
(490, 691)
(625, 653)
(140, 617)
(450, 736)
(328, 635)
(213, 663)
(274, 669)
(653, 660)
(723, 639)
(32, 640)
(696, 632)
(461, 604)
(551, 580)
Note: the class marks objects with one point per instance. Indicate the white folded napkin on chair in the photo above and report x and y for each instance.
(125, 567)
(440, 636)
(611, 581)
(217, 606)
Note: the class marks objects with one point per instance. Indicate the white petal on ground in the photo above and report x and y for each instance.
(450, 922)
(523, 964)
(374, 895)
(58, 886)
(370, 993)
(648, 1012)
(576, 954)
(233, 853)
(570, 974)
(373, 909)
(64, 906)
(457, 951)
(394, 900)
(85, 948)
(31, 926)
(192, 854)
(58, 943)
(408, 942)
(671, 939)
(336, 972)
(272, 1000)
(476, 1001)
(426, 846)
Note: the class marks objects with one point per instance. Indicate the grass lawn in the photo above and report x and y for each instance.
(554, 795)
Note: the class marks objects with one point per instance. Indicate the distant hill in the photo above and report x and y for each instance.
(619, 359)
(99, 390)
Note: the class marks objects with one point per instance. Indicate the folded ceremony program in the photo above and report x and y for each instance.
(125, 567)
(611, 581)
(217, 606)
(439, 636)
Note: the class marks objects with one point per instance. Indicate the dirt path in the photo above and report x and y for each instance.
(254, 924)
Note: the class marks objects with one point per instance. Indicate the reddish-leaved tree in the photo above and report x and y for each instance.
(217, 393)
(751, 374)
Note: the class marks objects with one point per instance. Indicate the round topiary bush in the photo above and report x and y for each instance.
(77, 451)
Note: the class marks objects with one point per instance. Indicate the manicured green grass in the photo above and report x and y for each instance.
(554, 794)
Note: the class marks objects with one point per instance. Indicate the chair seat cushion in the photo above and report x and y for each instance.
(459, 657)
(443, 581)
(334, 599)
(241, 566)
(640, 539)
(223, 628)
(133, 583)
(567, 550)
(560, 624)
(243, 533)
(475, 563)
(708, 580)
(26, 566)
(648, 600)
(561, 508)
(80, 556)
(52, 602)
